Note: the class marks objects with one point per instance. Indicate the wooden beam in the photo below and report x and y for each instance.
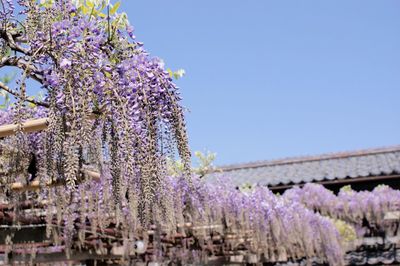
(23, 205)
(36, 185)
(32, 125)
(27, 127)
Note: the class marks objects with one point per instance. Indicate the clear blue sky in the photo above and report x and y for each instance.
(270, 79)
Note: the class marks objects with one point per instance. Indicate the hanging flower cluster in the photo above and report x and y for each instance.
(110, 105)
(365, 210)
(255, 223)
(281, 230)
(264, 225)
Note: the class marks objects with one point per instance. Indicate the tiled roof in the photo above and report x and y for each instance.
(362, 163)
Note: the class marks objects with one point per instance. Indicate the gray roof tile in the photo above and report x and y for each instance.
(354, 164)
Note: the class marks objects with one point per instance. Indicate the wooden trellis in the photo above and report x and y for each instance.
(220, 248)
(30, 126)
(27, 127)
(228, 247)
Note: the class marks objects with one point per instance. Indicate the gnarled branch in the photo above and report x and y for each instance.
(9, 37)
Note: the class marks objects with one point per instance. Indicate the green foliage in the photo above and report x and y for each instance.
(346, 188)
(103, 9)
(6, 101)
(6, 79)
(381, 187)
(176, 74)
(246, 187)
(92, 8)
(99, 8)
(346, 231)
(114, 8)
(204, 161)
(46, 3)
(90, 3)
(5, 51)
(174, 167)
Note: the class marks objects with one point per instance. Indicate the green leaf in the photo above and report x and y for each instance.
(170, 72)
(40, 96)
(46, 3)
(85, 10)
(8, 51)
(93, 13)
(103, 5)
(115, 7)
(179, 73)
(6, 99)
(7, 78)
(89, 4)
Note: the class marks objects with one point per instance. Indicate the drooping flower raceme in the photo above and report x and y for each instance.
(98, 79)
(365, 210)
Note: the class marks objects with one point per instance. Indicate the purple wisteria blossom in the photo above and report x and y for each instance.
(365, 210)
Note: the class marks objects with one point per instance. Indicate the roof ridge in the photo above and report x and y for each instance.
(311, 158)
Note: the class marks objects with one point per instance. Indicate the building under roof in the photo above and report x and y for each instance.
(362, 169)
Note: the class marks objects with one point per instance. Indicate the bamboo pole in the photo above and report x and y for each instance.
(36, 185)
(27, 127)
(23, 205)
(33, 126)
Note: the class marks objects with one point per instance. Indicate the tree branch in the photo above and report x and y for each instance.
(8, 36)
(17, 35)
(16, 94)
(22, 64)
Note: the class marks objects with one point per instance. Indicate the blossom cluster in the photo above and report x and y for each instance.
(366, 210)
(258, 222)
(274, 228)
(281, 229)
(109, 104)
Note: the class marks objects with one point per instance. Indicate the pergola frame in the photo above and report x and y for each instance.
(218, 245)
